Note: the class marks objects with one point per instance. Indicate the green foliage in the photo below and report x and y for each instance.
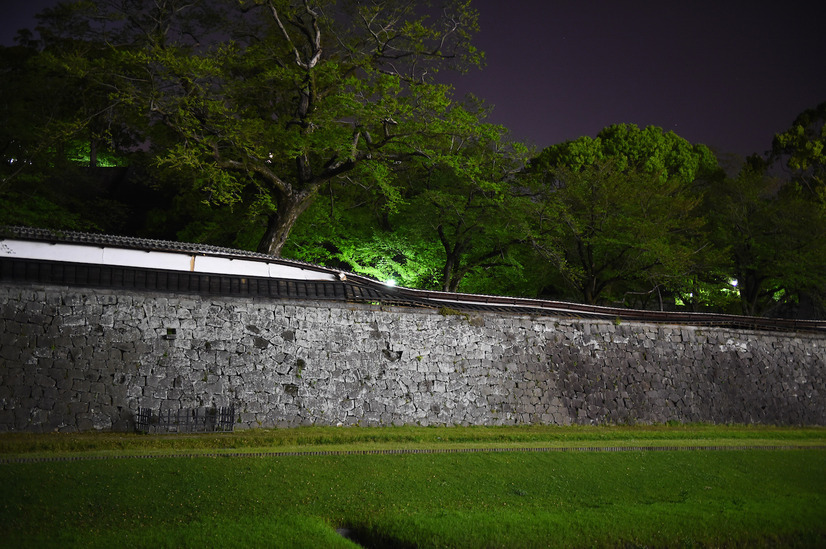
(245, 94)
(448, 212)
(38, 211)
(80, 152)
(775, 237)
(345, 232)
(618, 215)
(77, 198)
(319, 131)
(649, 150)
(803, 147)
(462, 197)
(710, 290)
(59, 135)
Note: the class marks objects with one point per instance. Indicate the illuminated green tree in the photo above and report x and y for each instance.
(352, 231)
(630, 148)
(465, 201)
(266, 102)
(455, 214)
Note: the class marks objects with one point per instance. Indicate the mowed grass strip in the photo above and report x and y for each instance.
(31, 445)
(502, 499)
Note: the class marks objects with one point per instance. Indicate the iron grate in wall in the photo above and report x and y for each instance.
(194, 420)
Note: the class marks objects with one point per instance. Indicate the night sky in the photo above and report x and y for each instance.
(726, 73)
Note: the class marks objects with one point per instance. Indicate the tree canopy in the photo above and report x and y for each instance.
(632, 149)
(617, 213)
(774, 239)
(454, 207)
(266, 101)
(803, 149)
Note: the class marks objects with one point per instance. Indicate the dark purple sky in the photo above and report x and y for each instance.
(727, 73)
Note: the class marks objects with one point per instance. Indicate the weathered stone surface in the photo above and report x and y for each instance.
(74, 360)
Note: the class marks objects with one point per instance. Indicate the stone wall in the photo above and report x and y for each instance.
(79, 359)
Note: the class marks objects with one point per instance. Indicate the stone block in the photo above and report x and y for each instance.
(73, 409)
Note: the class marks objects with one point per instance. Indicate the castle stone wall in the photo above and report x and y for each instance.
(75, 359)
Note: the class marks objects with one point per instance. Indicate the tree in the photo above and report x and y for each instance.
(803, 147)
(47, 175)
(618, 214)
(268, 101)
(347, 232)
(646, 150)
(62, 141)
(614, 231)
(463, 197)
(454, 214)
(774, 236)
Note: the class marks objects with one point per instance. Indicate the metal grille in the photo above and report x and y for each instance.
(186, 420)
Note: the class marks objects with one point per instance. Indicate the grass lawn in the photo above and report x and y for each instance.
(734, 497)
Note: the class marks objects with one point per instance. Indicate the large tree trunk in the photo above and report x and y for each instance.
(447, 273)
(750, 286)
(589, 294)
(451, 275)
(280, 222)
(93, 154)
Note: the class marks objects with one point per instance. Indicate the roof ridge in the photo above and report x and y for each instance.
(134, 242)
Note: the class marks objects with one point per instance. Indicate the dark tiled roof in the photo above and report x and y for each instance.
(360, 288)
(147, 244)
